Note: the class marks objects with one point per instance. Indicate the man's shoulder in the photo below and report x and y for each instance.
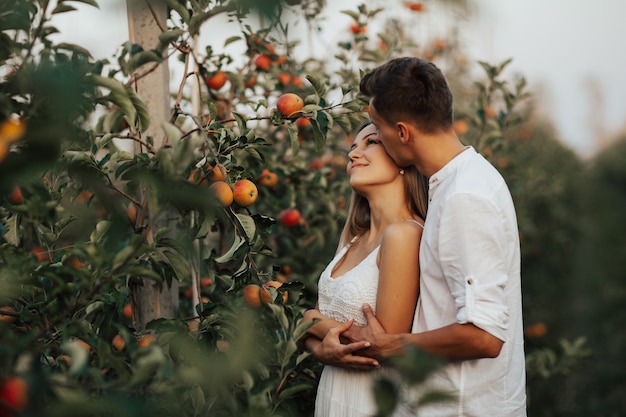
(478, 176)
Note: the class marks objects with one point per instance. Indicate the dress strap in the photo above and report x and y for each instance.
(349, 244)
(416, 222)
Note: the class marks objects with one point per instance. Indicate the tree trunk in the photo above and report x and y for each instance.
(146, 21)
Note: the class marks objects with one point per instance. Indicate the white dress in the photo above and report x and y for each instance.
(343, 392)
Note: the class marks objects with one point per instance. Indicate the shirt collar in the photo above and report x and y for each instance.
(451, 166)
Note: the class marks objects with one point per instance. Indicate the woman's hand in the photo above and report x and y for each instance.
(330, 350)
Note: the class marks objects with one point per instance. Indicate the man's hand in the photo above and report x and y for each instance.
(331, 351)
(367, 333)
(382, 345)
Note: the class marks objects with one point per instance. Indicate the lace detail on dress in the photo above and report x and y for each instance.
(341, 298)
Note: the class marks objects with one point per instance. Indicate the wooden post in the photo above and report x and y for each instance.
(146, 21)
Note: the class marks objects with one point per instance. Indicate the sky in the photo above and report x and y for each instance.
(569, 51)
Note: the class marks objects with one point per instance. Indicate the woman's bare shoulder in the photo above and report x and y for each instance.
(403, 232)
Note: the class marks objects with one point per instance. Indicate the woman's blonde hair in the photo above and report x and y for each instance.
(358, 217)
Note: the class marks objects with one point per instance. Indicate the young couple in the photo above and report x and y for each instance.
(446, 282)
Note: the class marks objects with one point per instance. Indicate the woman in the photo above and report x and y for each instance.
(377, 263)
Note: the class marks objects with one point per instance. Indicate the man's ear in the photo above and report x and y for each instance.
(403, 132)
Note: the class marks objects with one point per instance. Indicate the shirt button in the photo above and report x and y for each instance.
(470, 281)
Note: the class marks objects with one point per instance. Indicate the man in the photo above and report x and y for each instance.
(469, 309)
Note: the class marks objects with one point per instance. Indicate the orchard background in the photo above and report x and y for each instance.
(131, 284)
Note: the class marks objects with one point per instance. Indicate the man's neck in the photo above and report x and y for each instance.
(437, 151)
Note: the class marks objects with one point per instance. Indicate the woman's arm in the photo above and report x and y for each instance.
(398, 283)
(321, 326)
(330, 350)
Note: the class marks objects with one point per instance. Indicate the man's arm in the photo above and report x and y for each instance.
(454, 342)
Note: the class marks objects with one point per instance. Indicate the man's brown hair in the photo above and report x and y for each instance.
(412, 88)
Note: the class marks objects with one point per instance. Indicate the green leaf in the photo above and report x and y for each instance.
(100, 231)
(247, 381)
(255, 153)
(68, 394)
(503, 65)
(434, 397)
(212, 107)
(105, 140)
(62, 8)
(143, 272)
(293, 137)
(109, 83)
(355, 120)
(196, 22)
(490, 70)
(346, 88)
(123, 256)
(292, 390)
(241, 277)
(318, 86)
(343, 122)
(89, 2)
(204, 228)
(179, 8)
(11, 234)
(287, 349)
(386, 395)
(301, 329)
(241, 122)
(371, 56)
(143, 115)
(342, 57)
(94, 307)
(237, 243)
(147, 365)
(198, 402)
(79, 356)
(180, 265)
(279, 315)
(248, 225)
(142, 58)
(74, 48)
(170, 36)
(125, 104)
(302, 357)
(415, 366)
(374, 12)
(312, 99)
(231, 40)
(352, 14)
(320, 129)
(60, 225)
(172, 133)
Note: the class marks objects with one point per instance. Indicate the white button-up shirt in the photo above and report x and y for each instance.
(470, 273)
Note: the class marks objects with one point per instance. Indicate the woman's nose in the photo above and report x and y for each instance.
(354, 153)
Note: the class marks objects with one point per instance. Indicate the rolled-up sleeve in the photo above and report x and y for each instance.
(472, 238)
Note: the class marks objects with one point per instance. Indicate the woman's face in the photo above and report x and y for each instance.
(369, 163)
